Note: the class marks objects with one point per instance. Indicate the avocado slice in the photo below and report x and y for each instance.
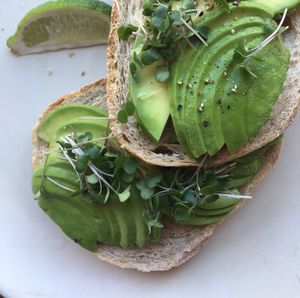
(213, 212)
(81, 125)
(150, 97)
(196, 220)
(278, 6)
(89, 223)
(57, 189)
(210, 116)
(60, 118)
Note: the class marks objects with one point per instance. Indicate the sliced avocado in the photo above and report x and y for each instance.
(278, 6)
(195, 220)
(57, 189)
(81, 125)
(59, 118)
(142, 232)
(204, 120)
(220, 204)
(210, 115)
(150, 98)
(213, 212)
(88, 223)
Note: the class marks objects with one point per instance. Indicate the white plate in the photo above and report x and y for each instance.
(256, 253)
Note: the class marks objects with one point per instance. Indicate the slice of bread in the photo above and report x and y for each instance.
(178, 243)
(138, 144)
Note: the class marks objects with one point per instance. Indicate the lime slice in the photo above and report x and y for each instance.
(62, 24)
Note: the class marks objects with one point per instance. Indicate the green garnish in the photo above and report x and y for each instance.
(163, 29)
(125, 32)
(126, 112)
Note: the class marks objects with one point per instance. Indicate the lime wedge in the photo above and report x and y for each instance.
(62, 24)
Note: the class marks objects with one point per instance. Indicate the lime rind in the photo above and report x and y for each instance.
(93, 9)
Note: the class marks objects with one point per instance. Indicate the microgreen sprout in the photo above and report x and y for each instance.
(164, 27)
(264, 43)
(104, 173)
(60, 185)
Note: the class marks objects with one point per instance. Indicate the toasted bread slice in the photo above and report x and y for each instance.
(137, 142)
(178, 243)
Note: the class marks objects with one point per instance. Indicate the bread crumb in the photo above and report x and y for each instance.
(71, 54)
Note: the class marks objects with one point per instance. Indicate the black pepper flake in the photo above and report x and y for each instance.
(205, 123)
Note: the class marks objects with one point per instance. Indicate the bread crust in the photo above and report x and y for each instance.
(138, 144)
(178, 242)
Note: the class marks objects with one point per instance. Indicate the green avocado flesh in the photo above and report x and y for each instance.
(278, 6)
(58, 192)
(150, 98)
(209, 213)
(68, 118)
(218, 99)
(86, 222)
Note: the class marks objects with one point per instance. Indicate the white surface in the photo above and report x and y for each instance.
(254, 254)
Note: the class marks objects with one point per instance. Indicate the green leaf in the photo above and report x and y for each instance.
(124, 32)
(92, 179)
(120, 162)
(203, 31)
(132, 68)
(150, 56)
(127, 178)
(162, 73)
(157, 21)
(130, 165)
(161, 12)
(153, 181)
(188, 4)
(85, 138)
(92, 152)
(81, 164)
(190, 197)
(175, 16)
(128, 110)
(155, 224)
(147, 193)
(122, 117)
(125, 195)
(140, 185)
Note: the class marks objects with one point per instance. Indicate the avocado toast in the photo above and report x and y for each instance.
(153, 211)
(177, 243)
(265, 122)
